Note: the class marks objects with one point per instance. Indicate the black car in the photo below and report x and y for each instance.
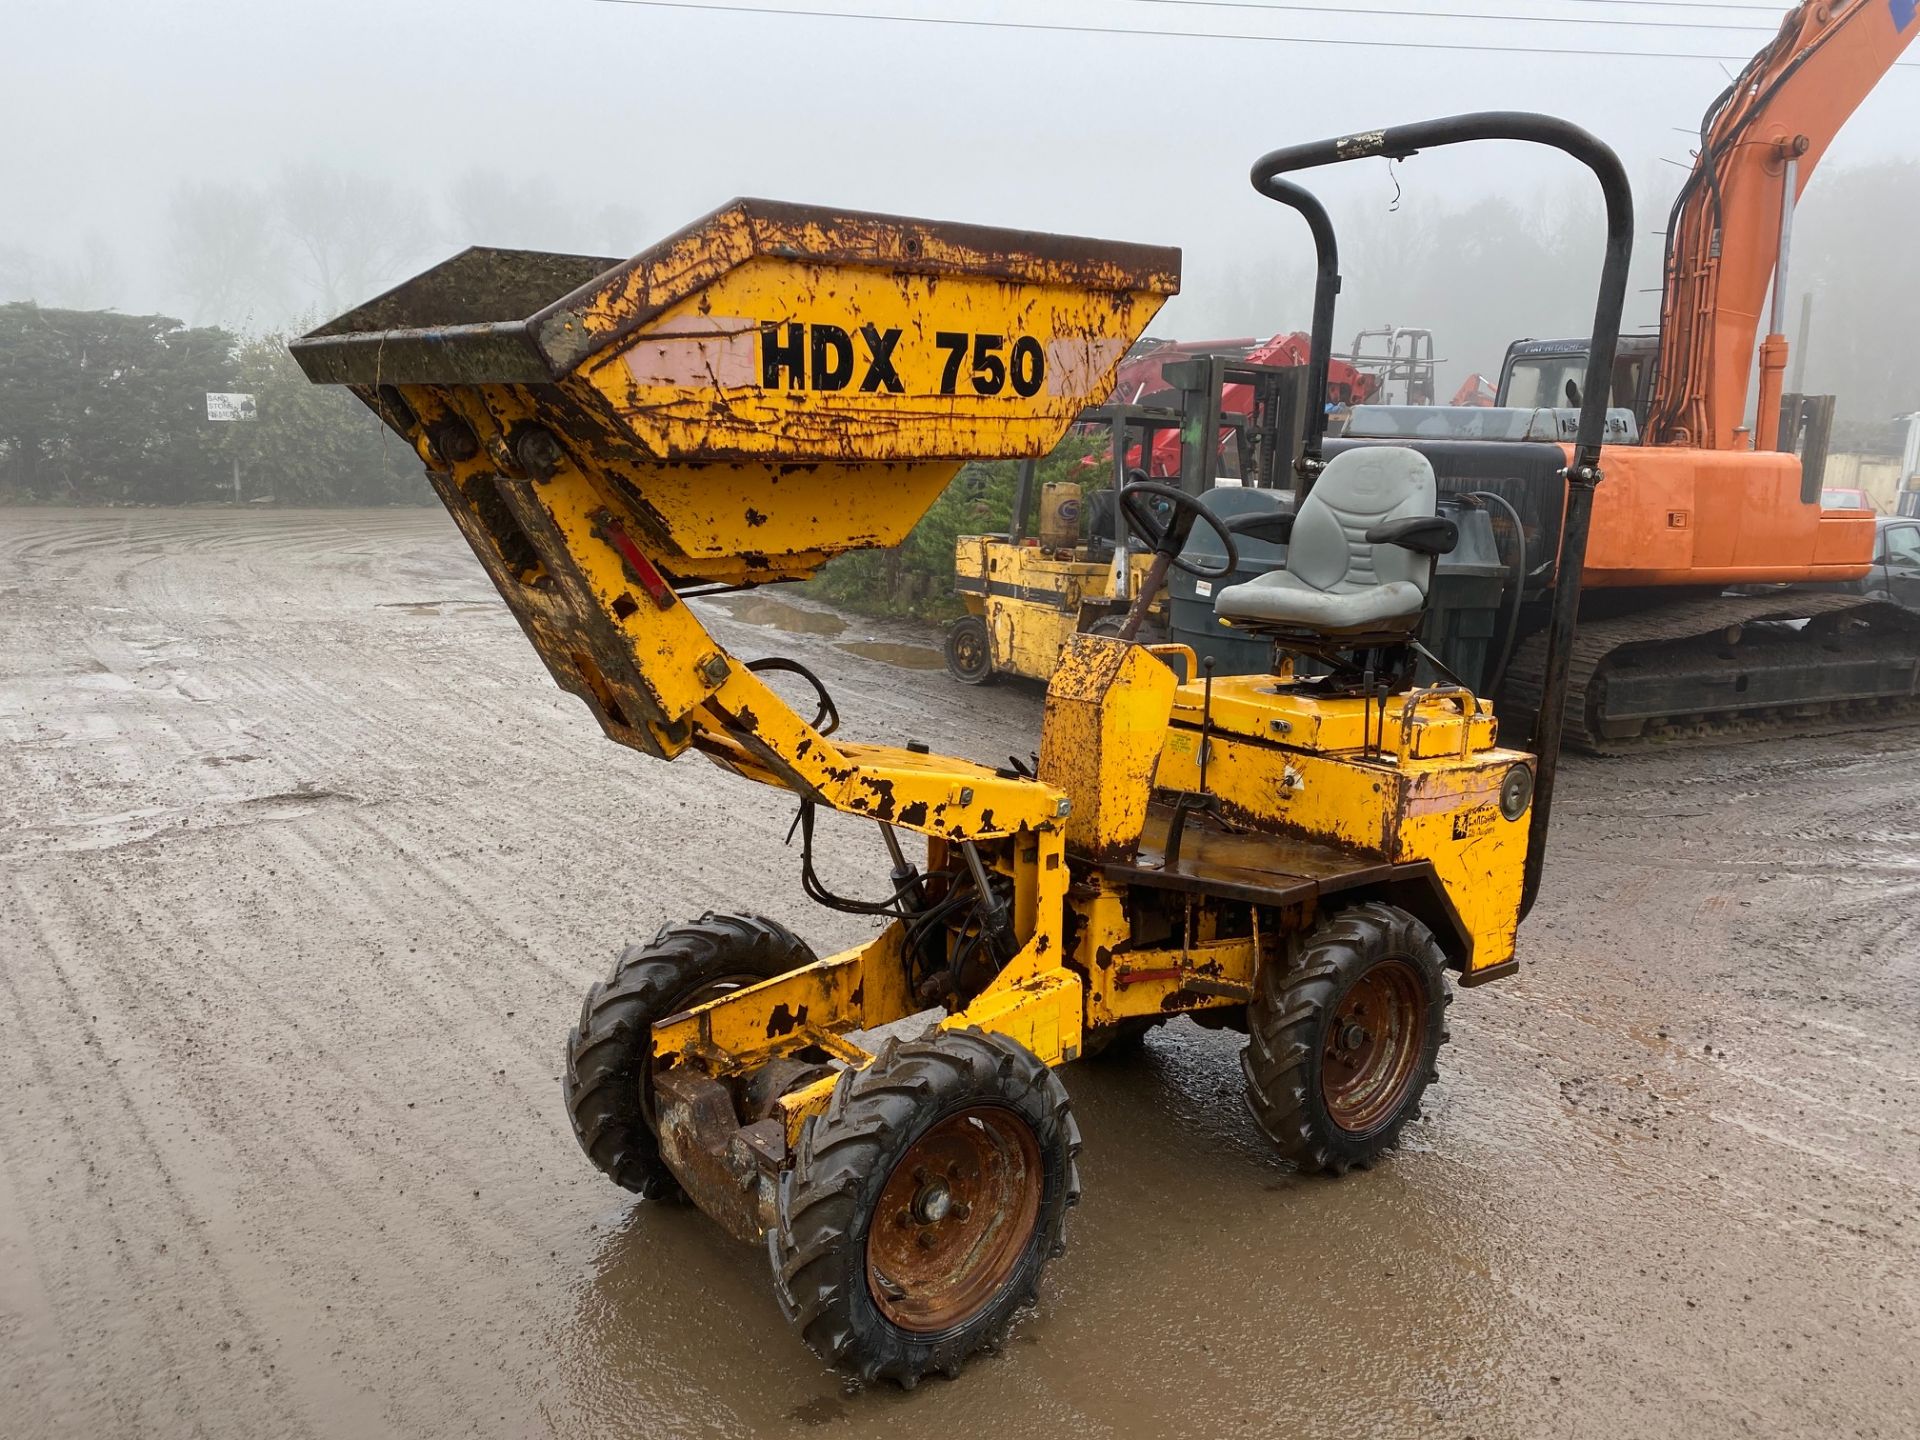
(1895, 574)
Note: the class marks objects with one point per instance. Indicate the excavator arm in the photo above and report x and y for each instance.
(1759, 144)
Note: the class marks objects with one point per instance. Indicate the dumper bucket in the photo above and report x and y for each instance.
(770, 387)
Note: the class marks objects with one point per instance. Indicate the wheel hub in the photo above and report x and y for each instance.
(1374, 1041)
(933, 1204)
(953, 1220)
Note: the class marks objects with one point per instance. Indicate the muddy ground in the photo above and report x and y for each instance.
(305, 864)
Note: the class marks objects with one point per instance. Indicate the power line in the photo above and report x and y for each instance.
(1775, 9)
(1279, 5)
(959, 22)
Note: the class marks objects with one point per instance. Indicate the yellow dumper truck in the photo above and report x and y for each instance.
(1313, 860)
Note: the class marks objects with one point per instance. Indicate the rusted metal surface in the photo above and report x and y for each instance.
(954, 1219)
(461, 320)
(523, 317)
(728, 1169)
(1374, 1039)
(1107, 709)
(1261, 869)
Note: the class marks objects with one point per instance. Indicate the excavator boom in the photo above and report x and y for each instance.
(1759, 144)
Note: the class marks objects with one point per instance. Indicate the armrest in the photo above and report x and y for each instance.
(1422, 534)
(1275, 529)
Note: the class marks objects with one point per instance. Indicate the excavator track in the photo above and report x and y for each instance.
(1730, 668)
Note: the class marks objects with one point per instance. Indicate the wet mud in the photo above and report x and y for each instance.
(904, 657)
(305, 864)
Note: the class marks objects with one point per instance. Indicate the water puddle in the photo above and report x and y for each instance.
(779, 615)
(906, 657)
(436, 607)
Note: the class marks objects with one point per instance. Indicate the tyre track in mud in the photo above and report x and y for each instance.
(306, 865)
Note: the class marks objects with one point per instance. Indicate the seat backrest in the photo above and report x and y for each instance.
(1358, 490)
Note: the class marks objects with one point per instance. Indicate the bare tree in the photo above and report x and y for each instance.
(484, 208)
(1853, 252)
(89, 278)
(354, 234)
(19, 273)
(619, 230)
(226, 253)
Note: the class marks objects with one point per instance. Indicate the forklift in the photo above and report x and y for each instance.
(1313, 858)
(1080, 569)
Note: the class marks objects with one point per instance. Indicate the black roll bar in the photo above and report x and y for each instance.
(1326, 286)
(1398, 143)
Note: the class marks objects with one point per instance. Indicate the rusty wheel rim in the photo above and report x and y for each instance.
(1371, 1057)
(954, 1220)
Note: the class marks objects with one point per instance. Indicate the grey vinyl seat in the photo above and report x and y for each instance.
(1360, 557)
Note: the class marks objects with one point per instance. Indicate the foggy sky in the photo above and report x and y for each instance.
(655, 116)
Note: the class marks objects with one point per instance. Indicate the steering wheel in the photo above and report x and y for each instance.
(1168, 539)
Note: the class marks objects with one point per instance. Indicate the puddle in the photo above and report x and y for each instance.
(435, 607)
(763, 610)
(907, 657)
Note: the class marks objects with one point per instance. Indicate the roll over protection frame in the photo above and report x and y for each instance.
(1399, 143)
(1326, 286)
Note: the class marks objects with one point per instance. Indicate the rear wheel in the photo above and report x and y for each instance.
(969, 651)
(1341, 1044)
(923, 1204)
(608, 1081)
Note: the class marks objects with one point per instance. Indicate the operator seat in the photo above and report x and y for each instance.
(1360, 556)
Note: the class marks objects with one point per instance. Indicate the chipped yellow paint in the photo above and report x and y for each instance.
(1260, 707)
(1107, 710)
(1442, 808)
(775, 386)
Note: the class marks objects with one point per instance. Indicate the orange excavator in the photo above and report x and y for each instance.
(1703, 611)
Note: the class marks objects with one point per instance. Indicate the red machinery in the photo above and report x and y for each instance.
(1141, 382)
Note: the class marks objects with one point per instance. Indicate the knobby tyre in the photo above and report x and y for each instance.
(923, 1205)
(608, 1080)
(1342, 1042)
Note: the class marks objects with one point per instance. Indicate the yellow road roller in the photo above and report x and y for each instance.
(1312, 856)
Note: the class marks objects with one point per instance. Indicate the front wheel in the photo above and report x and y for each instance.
(608, 1083)
(969, 651)
(923, 1204)
(1341, 1043)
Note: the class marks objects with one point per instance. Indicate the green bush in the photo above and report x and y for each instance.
(914, 580)
(99, 408)
(102, 408)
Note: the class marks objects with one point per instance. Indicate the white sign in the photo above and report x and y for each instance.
(229, 406)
